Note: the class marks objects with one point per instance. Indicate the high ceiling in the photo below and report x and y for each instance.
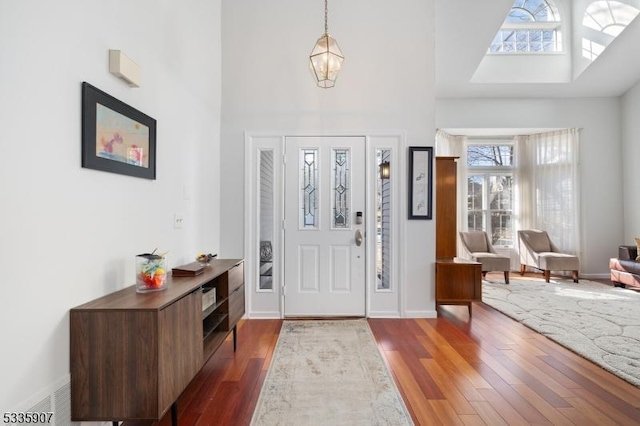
(465, 28)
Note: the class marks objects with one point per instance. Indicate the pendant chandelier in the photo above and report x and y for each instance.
(326, 57)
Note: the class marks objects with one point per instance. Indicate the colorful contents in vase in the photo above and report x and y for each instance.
(151, 274)
(204, 259)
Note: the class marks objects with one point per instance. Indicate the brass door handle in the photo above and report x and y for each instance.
(358, 237)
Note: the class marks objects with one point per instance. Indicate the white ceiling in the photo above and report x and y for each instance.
(464, 29)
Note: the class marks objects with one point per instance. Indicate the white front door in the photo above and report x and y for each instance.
(324, 226)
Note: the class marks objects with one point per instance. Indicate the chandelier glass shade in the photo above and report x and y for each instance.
(326, 57)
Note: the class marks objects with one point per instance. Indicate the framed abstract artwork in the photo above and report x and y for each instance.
(116, 137)
(420, 182)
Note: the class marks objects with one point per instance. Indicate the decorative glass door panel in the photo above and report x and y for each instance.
(308, 188)
(341, 184)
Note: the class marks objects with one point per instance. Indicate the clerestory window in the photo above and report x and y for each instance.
(604, 21)
(532, 26)
(609, 17)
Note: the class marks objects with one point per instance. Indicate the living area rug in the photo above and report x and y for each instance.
(597, 321)
(328, 372)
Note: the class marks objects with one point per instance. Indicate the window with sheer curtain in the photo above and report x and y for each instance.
(528, 182)
(550, 186)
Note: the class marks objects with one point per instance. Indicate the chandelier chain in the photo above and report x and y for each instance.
(326, 17)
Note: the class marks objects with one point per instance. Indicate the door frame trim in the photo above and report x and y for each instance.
(269, 304)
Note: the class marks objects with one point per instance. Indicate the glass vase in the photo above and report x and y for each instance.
(151, 273)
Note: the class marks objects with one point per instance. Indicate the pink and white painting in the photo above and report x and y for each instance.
(120, 138)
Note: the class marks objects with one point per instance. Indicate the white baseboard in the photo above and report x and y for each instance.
(421, 314)
(384, 314)
(378, 314)
(264, 315)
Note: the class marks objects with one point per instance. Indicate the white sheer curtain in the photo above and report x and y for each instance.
(524, 204)
(448, 145)
(548, 186)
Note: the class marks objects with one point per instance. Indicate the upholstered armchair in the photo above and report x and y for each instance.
(537, 251)
(479, 249)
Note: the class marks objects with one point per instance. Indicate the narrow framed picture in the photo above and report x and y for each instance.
(116, 137)
(420, 182)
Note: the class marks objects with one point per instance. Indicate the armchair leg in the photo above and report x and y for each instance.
(506, 277)
(523, 268)
(547, 275)
(575, 276)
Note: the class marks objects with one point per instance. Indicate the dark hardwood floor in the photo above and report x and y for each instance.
(451, 370)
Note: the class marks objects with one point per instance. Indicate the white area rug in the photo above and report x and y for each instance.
(597, 321)
(329, 373)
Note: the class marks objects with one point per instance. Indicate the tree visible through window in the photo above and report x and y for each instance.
(490, 191)
(532, 26)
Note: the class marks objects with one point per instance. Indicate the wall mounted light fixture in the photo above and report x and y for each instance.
(385, 170)
(326, 57)
(122, 66)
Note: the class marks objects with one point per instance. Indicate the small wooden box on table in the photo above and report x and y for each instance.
(458, 282)
(133, 354)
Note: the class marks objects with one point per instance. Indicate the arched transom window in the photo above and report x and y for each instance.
(609, 17)
(532, 26)
(603, 22)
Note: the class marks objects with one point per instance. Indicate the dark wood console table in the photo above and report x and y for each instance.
(133, 354)
(458, 282)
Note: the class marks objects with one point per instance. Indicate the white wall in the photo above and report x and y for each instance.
(386, 84)
(68, 234)
(600, 157)
(522, 68)
(630, 155)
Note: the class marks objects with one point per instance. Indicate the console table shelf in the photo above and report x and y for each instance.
(133, 354)
(214, 320)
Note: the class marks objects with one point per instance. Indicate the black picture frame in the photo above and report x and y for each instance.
(420, 182)
(129, 147)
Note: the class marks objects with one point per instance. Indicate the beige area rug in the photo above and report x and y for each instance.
(329, 373)
(597, 321)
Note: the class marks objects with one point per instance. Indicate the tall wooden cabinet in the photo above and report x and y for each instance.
(458, 281)
(446, 207)
(133, 354)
